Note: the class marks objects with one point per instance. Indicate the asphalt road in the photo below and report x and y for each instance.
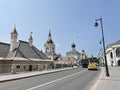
(76, 79)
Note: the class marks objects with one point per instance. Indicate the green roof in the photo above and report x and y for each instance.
(73, 52)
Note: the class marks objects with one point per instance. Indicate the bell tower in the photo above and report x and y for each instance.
(49, 45)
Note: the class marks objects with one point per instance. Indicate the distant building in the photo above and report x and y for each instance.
(75, 54)
(22, 56)
(83, 55)
(113, 54)
(64, 61)
(50, 48)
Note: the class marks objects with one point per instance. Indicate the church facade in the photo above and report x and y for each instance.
(20, 56)
(75, 54)
(113, 54)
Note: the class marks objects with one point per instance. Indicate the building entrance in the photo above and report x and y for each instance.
(118, 62)
(30, 67)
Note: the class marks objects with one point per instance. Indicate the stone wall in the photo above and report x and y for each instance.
(23, 66)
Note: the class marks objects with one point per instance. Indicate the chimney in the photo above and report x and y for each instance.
(30, 39)
(14, 36)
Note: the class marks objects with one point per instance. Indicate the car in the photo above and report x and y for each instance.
(92, 67)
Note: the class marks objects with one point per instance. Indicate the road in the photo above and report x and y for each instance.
(76, 79)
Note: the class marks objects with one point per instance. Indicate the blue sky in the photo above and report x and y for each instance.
(69, 21)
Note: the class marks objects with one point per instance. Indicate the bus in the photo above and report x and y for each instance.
(84, 63)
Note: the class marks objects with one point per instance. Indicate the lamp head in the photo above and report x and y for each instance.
(100, 42)
(96, 24)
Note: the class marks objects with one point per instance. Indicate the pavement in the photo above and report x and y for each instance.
(10, 77)
(103, 82)
(108, 83)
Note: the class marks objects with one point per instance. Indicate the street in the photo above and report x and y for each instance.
(76, 79)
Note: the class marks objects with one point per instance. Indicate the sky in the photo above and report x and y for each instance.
(68, 20)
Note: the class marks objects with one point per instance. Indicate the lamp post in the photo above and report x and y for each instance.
(106, 65)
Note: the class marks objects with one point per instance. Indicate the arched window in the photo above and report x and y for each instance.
(47, 50)
(118, 52)
(53, 49)
(111, 55)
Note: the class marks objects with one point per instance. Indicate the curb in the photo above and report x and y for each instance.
(97, 82)
(11, 79)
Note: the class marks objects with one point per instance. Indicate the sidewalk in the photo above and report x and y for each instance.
(109, 83)
(4, 78)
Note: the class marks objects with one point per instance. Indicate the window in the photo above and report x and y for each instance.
(53, 50)
(47, 50)
(18, 66)
(111, 55)
(24, 67)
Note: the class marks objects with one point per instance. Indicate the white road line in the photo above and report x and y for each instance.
(53, 81)
(97, 82)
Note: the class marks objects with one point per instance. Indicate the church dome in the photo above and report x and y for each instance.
(83, 50)
(73, 45)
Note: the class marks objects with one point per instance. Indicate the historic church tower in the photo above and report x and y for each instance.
(49, 46)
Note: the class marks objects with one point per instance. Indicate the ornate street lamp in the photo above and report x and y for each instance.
(96, 25)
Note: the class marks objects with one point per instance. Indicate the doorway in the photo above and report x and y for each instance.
(118, 62)
(30, 67)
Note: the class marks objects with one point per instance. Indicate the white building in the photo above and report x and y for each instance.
(21, 56)
(75, 54)
(113, 54)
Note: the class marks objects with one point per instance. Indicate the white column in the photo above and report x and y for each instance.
(114, 56)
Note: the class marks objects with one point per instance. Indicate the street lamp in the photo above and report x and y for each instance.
(106, 65)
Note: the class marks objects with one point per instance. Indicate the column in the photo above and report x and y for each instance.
(114, 56)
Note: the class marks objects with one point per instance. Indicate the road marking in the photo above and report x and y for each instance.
(97, 82)
(54, 81)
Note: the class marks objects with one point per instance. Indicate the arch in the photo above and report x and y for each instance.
(118, 52)
(118, 62)
(47, 49)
